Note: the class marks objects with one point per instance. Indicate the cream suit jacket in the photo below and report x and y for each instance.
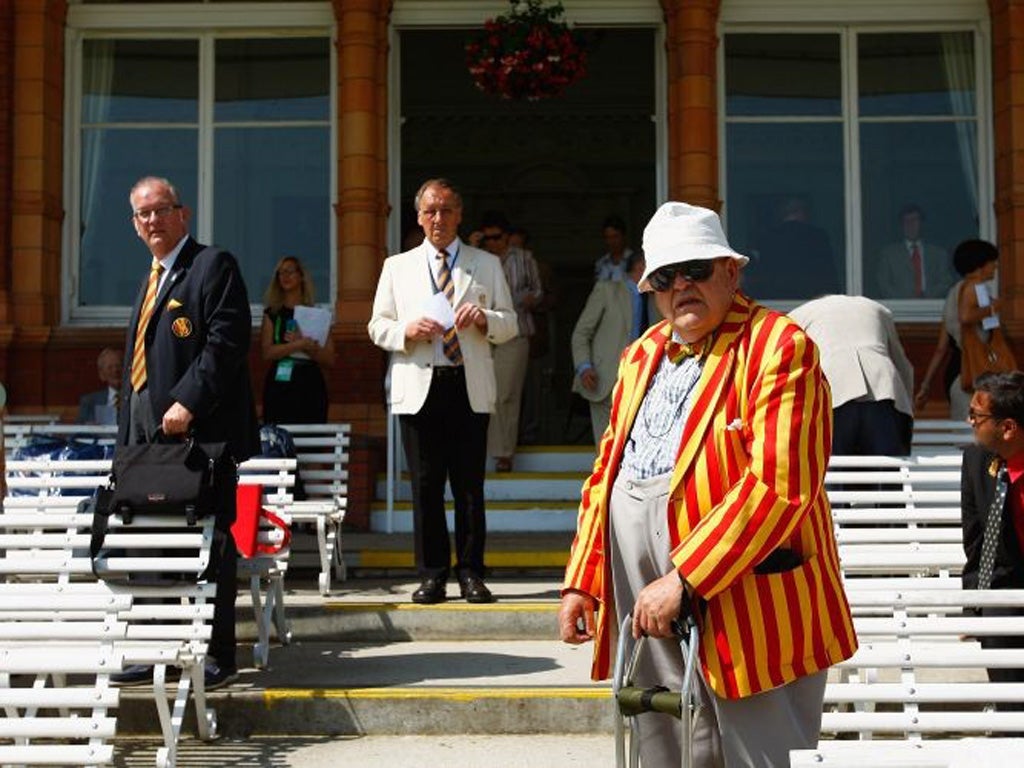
(403, 290)
(861, 353)
(603, 330)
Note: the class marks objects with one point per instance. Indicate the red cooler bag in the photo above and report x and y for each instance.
(248, 512)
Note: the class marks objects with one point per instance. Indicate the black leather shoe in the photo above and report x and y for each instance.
(430, 591)
(215, 676)
(133, 674)
(474, 590)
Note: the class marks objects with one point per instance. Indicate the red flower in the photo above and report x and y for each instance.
(528, 53)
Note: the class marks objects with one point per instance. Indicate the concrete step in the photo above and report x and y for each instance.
(415, 688)
(376, 554)
(545, 515)
(504, 486)
(322, 751)
(382, 611)
(552, 458)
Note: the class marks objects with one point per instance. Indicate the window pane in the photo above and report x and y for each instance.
(932, 166)
(782, 75)
(113, 260)
(785, 208)
(273, 79)
(271, 199)
(140, 81)
(916, 74)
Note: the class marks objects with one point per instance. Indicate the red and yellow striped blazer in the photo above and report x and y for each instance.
(749, 479)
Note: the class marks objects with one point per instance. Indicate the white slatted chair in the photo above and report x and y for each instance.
(323, 454)
(267, 572)
(940, 436)
(44, 538)
(48, 632)
(920, 673)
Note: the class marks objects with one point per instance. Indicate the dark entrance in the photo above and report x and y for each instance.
(555, 167)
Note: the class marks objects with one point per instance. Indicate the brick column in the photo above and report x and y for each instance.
(361, 151)
(1008, 127)
(6, 161)
(36, 209)
(691, 41)
(362, 212)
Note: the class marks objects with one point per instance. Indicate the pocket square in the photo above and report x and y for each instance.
(173, 304)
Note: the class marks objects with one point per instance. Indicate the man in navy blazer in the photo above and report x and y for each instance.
(195, 376)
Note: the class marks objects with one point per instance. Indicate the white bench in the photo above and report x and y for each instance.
(19, 435)
(48, 632)
(919, 672)
(940, 435)
(897, 516)
(45, 539)
(323, 454)
(267, 571)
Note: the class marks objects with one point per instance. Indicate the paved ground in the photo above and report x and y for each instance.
(572, 751)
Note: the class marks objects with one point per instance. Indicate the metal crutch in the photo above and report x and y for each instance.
(632, 700)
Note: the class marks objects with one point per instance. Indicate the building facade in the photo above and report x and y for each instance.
(818, 129)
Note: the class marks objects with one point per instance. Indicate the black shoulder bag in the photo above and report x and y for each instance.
(180, 479)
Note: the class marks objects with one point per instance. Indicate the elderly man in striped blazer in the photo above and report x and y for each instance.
(707, 498)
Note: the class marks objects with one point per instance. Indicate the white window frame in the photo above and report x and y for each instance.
(204, 23)
(421, 14)
(848, 19)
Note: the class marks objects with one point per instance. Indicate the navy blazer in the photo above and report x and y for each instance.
(977, 488)
(197, 350)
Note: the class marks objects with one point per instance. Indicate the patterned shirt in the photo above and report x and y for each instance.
(653, 442)
(523, 279)
(606, 269)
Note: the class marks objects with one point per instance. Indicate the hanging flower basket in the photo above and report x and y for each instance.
(528, 53)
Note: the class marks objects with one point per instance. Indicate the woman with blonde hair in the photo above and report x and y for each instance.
(294, 390)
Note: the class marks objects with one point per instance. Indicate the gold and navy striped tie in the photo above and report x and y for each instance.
(145, 312)
(452, 350)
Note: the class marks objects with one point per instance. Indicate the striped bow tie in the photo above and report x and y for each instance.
(676, 351)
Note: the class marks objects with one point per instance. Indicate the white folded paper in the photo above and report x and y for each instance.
(313, 322)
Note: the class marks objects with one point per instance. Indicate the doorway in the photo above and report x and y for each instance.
(556, 168)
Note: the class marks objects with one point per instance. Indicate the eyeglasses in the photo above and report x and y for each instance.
(154, 213)
(496, 236)
(430, 213)
(974, 418)
(692, 271)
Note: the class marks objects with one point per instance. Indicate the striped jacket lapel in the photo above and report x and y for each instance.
(711, 388)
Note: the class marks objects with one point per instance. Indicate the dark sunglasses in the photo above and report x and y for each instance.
(496, 236)
(691, 271)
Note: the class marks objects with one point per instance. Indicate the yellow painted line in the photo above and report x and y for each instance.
(278, 695)
(501, 606)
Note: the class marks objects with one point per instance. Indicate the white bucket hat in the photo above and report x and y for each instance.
(681, 232)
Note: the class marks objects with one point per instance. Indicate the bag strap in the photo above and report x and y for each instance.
(101, 512)
(281, 525)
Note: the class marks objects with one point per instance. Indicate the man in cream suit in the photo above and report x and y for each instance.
(871, 378)
(442, 382)
(615, 315)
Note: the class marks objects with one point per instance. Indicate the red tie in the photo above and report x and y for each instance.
(918, 267)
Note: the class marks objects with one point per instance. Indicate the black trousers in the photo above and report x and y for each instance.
(866, 428)
(223, 567)
(447, 441)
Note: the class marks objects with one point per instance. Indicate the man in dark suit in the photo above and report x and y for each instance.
(993, 468)
(187, 350)
(100, 407)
